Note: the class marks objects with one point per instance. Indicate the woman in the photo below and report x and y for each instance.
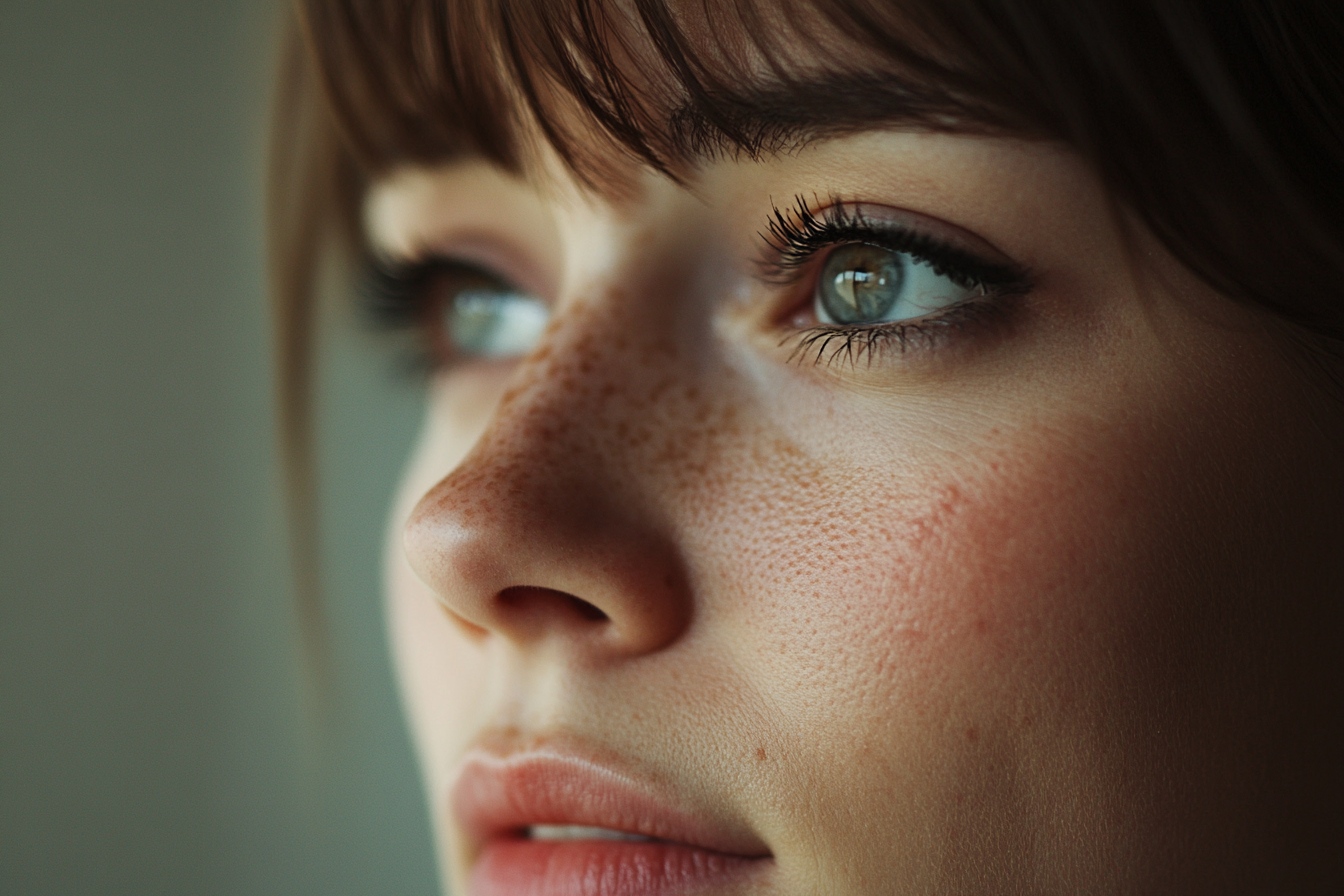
(872, 447)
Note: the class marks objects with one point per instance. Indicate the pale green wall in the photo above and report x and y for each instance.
(151, 734)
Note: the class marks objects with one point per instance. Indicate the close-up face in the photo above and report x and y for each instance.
(890, 515)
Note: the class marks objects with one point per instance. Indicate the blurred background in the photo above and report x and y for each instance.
(155, 736)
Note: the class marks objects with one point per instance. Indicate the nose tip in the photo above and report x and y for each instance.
(527, 559)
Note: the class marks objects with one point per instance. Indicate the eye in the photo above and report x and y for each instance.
(864, 284)
(457, 311)
(875, 277)
(487, 318)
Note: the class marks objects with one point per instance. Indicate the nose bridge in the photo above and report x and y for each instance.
(586, 386)
(547, 509)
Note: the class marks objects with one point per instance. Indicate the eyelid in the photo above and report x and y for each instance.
(487, 253)
(467, 209)
(935, 228)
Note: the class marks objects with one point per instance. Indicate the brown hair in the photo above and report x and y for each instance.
(1220, 123)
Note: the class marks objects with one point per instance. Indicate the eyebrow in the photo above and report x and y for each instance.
(774, 117)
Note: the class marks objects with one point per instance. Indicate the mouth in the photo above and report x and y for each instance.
(555, 823)
(559, 833)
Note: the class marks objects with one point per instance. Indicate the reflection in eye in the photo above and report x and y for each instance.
(865, 284)
(494, 322)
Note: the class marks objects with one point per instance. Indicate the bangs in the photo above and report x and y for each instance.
(427, 81)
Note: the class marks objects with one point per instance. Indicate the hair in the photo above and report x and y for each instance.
(1220, 123)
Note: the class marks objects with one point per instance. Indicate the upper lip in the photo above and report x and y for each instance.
(500, 793)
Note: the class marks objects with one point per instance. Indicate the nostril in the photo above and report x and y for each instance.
(587, 610)
(529, 600)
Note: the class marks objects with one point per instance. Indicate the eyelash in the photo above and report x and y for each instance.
(797, 237)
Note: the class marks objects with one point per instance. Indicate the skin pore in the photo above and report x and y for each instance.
(1038, 603)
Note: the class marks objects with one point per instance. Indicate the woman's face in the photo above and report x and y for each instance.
(967, 544)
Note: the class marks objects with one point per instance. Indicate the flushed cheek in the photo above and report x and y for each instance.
(945, 648)
(890, 578)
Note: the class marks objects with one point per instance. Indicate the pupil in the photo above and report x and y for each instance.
(860, 284)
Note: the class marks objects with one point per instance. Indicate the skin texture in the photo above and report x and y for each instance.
(1043, 603)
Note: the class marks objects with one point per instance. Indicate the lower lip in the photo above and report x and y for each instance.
(601, 868)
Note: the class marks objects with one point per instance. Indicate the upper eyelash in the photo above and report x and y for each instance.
(391, 291)
(795, 236)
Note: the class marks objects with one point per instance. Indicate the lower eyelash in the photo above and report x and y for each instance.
(829, 343)
(851, 344)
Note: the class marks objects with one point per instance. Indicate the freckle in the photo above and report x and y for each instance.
(972, 735)
(760, 754)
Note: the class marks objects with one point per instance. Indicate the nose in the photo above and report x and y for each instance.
(542, 532)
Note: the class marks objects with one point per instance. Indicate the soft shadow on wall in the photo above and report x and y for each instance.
(151, 731)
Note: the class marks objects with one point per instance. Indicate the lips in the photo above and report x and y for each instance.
(546, 822)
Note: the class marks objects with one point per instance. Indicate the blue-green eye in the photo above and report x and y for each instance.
(865, 284)
(459, 311)
(492, 320)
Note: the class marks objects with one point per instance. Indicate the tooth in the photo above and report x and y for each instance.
(580, 832)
